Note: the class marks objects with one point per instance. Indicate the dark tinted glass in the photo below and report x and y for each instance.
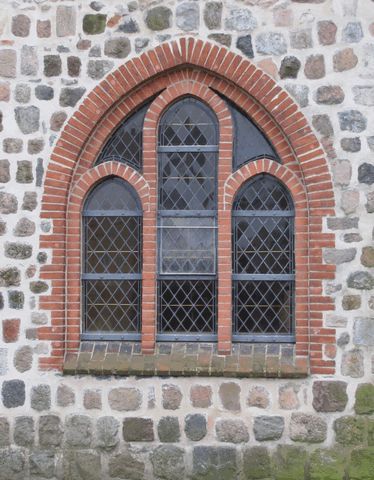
(187, 245)
(125, 145)
(187, 156)
(263, 245)
(187, 306)
(112, 306)
(112, 244)
(263, 307)
(250, 143)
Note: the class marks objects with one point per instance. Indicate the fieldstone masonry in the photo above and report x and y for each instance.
(211, 422)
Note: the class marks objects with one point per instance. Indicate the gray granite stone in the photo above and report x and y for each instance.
(329, 396)
(168, 429)
(41, 397)
(29, 60)
(187, 16)
(13, 393)
(23, 358)
(78, 431)
(195, 426)
(27, 119)
(363, 331)
(231, 430)
(24, 431)
(107, 433)
(268, 428)
(307, 428)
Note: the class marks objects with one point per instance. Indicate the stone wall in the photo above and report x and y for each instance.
(84, 427)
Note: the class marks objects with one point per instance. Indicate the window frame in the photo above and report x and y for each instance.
(118, 276)
(225, 176)
(228, 183)
(256, 277)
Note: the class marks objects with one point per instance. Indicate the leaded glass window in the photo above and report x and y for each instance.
(125, 144)
(112, 228)
(187, 222)
(263, 261)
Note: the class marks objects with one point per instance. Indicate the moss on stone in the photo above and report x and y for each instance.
(158, 18)
(364, 399)
(326, 464)
(94, 24)
(289, 462)
(371, 432)
(362, 464)
(256, 463)
(350, 430)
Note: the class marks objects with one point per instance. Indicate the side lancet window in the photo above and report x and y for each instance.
(187, 222)
(112, 263)
(263, 262)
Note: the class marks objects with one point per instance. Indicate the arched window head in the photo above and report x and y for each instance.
(263, 261)
(112, 224)
(187, 218)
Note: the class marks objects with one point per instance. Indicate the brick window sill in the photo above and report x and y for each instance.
(187, 360)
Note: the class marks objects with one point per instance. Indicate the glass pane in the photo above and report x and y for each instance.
(188, 122)
(264, 193)
(263, 245)
(249, 142)
(187, 181)
(112, 305)
(263, 307)
(112, 244)
(125, 145)
(187, 245)
(187, 306)
(112, 194)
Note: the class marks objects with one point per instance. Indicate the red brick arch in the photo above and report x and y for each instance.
(198, 68)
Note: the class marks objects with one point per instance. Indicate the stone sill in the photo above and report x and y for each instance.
(187, 360)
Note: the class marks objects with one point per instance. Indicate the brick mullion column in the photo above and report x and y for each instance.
(149, 290)
(224, 250)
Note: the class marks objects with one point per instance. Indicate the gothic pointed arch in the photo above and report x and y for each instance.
(171, 70)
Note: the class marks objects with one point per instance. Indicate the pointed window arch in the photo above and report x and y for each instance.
(76, 166)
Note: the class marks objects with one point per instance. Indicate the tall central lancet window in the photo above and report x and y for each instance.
(187, 222)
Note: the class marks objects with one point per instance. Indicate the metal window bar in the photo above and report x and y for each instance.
(187, 153)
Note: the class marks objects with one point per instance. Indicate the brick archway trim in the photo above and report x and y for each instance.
(258, 94)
